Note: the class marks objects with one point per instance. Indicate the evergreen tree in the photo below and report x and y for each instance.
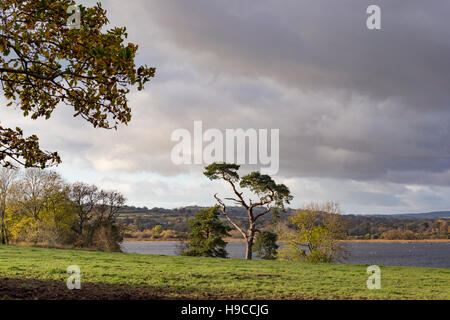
(205, 237)
(266, 245)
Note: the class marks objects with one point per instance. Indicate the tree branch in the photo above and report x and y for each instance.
(239, 194)
(264, 202)
(262, 213)
(234, 224)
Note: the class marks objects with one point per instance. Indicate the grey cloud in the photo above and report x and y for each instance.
(317, 44)
(351, 104)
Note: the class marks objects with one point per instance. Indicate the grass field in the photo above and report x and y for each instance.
(38, 273)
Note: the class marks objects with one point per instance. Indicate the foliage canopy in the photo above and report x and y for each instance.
(43, 64)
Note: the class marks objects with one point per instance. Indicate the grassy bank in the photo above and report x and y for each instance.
(41, 273)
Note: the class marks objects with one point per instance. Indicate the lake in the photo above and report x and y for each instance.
(432, 255)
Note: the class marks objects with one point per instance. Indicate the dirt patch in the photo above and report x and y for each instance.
(32, 289)
(35, 289)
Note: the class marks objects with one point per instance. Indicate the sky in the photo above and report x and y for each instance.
(363, 114)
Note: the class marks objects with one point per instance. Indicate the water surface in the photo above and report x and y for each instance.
(432, 255)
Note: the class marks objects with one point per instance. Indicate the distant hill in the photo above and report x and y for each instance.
(233, 211)
(426, 215)
(239, 211)
(358, 226)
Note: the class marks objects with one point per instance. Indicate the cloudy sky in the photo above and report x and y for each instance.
(364, 115)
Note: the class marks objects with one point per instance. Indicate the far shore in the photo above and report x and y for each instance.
(399, 241)
(344, 241)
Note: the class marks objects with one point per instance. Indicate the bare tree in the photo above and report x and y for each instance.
(36, 188)
(86, 198)
(110, 204)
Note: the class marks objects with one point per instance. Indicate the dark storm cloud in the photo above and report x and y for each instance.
(318, 44)
(390, 89)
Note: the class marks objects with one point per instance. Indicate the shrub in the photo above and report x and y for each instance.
(315, 239)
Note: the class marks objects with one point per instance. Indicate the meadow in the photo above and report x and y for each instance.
(40, 273)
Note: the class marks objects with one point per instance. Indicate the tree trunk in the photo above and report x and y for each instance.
(249, 249)
(3, 234)
(250, 239)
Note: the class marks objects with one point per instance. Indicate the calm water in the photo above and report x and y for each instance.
(433, 255)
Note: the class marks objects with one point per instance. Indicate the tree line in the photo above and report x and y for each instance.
(39, 207)
(175, 222)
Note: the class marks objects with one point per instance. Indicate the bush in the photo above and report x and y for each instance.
(315, 239)
(107, 238)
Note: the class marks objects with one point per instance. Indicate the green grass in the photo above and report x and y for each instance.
(228, 278)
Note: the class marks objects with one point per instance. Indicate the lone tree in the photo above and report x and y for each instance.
(45, 63)
(205, 238)
(271, 197)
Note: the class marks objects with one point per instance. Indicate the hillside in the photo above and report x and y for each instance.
(426, 215)
(241, 212)
(396, 226)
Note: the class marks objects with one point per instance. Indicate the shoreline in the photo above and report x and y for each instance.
(343, 241)
(398, 241)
